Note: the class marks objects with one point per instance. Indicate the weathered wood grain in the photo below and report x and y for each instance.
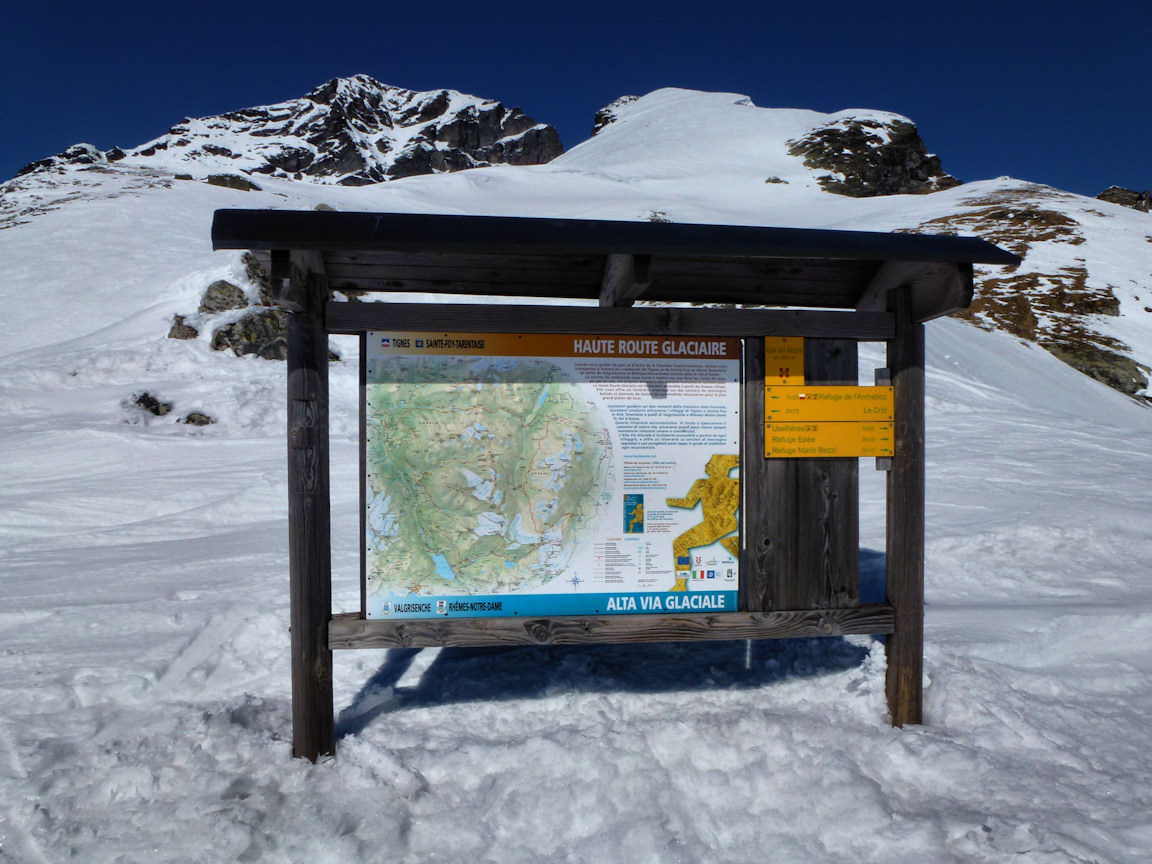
(354, 318)
(419, 233)
(626, 277)
(362, 411)
(525, 267)
(481, 272)
(355, 632)
(755, 540)
(905, 549)
(681, 289)
(526, 290)
(309, 528)
(808, 542)
(828, 543)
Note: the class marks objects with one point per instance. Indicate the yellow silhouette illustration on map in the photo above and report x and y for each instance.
(637, 519)
(720, 497)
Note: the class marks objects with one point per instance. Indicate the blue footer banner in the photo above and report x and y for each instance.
(549, 605)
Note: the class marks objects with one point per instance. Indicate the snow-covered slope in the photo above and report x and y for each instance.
(144, 688)
(1082, 291)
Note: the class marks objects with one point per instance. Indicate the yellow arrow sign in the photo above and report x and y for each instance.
(812, 404)
(827, 440)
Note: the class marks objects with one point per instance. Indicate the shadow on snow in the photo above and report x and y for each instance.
(492, 674)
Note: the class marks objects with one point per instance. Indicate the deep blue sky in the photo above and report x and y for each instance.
(1056, 92)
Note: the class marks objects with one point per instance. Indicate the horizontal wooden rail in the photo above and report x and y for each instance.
(351, 318)
(352, 631)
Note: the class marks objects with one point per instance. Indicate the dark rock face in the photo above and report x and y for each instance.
(424, 158)
(1117, 371)
(867, 158)
(258, 276)
(180, 330)
(221, 296)
(263, 332)
(1127, 198)
(290, 159)
(151, 404)
(492, 134)
(77, 154)
(233, 181)
(534, 146)
(609, 113)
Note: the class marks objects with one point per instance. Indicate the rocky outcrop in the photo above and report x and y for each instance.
(257, 276)
(182, 330)
(1141, 201)
(1108, 367)
(232, 181)
(262, 329)
(77, 154)
(348, 131)
(610, 112)
(221, 296)
(150, 403)
(867, 157)
(1057, 307)
(263, 332)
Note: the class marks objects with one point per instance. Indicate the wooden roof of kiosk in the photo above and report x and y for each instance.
(799, 573)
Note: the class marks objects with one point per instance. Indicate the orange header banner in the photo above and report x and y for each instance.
(555, 345)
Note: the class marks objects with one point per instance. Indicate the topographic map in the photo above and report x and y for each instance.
(484, 474)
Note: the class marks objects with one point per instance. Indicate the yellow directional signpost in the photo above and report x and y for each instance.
(806, 440)
(784, 361)
(815, 421)
(828, 403)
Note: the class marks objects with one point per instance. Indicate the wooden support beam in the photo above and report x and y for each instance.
(905, 549)
(352, 318)
(936, 289)
(626, 277)
(357, 632)
(309, 529)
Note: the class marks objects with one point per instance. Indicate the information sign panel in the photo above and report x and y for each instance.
(812, 404)
(803, 440)
(544, 474)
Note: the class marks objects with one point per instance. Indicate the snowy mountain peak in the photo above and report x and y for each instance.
(671, 155)
(144, 656)
(857, 152)
(348, 131)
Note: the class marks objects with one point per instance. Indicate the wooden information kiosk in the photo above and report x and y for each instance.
(798, 300)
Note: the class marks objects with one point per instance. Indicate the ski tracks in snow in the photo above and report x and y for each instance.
(220, 630)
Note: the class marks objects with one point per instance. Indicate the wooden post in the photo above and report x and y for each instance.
(905, 548)
(828, 499)
(757, 536)
(362, 410)
(804, 547)
(309, 528)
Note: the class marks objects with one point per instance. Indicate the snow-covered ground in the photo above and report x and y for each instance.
(144, 674)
